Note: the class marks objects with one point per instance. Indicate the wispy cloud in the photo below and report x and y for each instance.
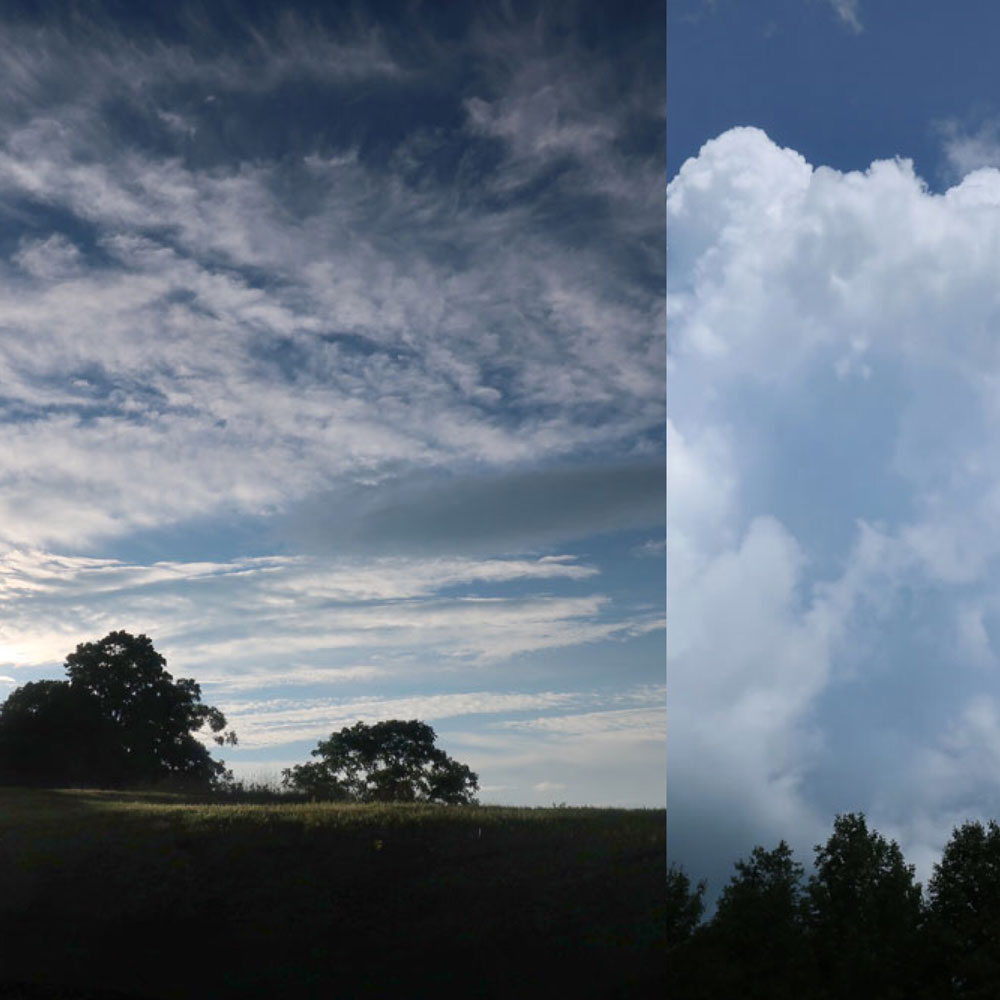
(292, 340)
(848, 13)
(282, 720)
(323, 613)
(968, 149)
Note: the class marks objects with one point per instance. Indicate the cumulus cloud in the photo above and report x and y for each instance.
(832, 490)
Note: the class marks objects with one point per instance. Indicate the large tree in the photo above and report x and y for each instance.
(120, 718)
(393, 761)
(964, 913)
(863, 912)
(53, 734)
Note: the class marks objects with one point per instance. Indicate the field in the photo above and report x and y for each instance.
(157, 896)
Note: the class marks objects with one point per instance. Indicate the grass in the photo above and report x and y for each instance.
(160, 896)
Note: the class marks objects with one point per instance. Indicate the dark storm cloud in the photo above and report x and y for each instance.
(512, 512)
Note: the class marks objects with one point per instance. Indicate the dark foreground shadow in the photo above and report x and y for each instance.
(35, 991)
(176, 905)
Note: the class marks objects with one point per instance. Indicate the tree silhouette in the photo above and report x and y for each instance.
(685, 905)
(120, 718)
(53, 734)
(393, 761)
(964, 913)
(758, 925)
(863, 911)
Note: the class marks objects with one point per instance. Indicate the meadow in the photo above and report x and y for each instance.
(158, 895)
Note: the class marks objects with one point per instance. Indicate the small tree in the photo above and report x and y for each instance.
(392, 761)
(685, 905)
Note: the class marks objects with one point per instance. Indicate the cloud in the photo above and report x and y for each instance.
(832, 493)
(651, 548)
(511, 511)
(627, 723)
(337, 619)
(548, 786)
(967, 151)
(259, 330)
(848, 13)
(280, 721)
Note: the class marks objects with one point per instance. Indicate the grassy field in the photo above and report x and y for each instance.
(153, 895)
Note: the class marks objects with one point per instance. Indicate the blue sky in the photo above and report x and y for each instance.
(833, 432)
(332, 359)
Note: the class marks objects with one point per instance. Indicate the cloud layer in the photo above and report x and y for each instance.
(258, 328)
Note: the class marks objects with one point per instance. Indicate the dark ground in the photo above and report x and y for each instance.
(99, 899)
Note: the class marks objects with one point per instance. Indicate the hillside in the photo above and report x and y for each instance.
(159, 897)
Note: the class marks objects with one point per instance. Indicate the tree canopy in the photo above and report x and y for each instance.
(863, 909)
(119, 718)
(963, 918)
(857, 927)
(392, 761)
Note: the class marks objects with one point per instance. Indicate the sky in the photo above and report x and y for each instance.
(332, 359)
(833, 428)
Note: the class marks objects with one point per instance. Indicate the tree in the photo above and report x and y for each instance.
(964, 913)
(393, 761)
(684, 905)
(684, 909)
(120, 718)
(52, 734)
(758, 927)
(863, 913)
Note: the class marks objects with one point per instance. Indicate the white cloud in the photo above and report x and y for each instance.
(174, 355)
(627, 723)
(49, 259)
(745, 662)
(832, 485)
(968, 151)
(848, 13)
(264, 610)
(279, 721)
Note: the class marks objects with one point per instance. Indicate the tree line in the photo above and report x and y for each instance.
(858, 927)
(121, 720)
